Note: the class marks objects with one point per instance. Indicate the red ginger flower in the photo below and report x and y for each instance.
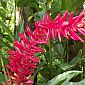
(22, 60)
(61, 27)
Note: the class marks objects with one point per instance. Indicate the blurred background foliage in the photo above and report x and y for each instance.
(15, 14)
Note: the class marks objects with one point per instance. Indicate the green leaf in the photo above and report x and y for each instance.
(82, 82)
(39, 68)
(6, 30)
(42, 5)
(21, 3)
(66, 76)
(4, 4)
(20, 29)
(35, 6)
(1, 36)
(54, 6)
(45, 72)
(3, 43)
(60, 48)
(5, 60)
(72, 63)
(2, 78)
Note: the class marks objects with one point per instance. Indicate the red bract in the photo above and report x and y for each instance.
(38, 36)
(81, 26)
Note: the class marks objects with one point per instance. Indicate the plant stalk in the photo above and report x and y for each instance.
(50, 59)
(7, 83)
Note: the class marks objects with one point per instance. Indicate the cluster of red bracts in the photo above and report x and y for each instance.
(23, 60)
(64, 26)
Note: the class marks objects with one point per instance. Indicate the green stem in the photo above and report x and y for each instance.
(67, 51)
(50, 60)
(4, 71)
(83, 53)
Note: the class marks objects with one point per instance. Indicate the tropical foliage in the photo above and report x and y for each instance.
(42, 42)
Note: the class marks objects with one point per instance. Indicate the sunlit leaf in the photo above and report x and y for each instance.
(6, 30)
(66, 76)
